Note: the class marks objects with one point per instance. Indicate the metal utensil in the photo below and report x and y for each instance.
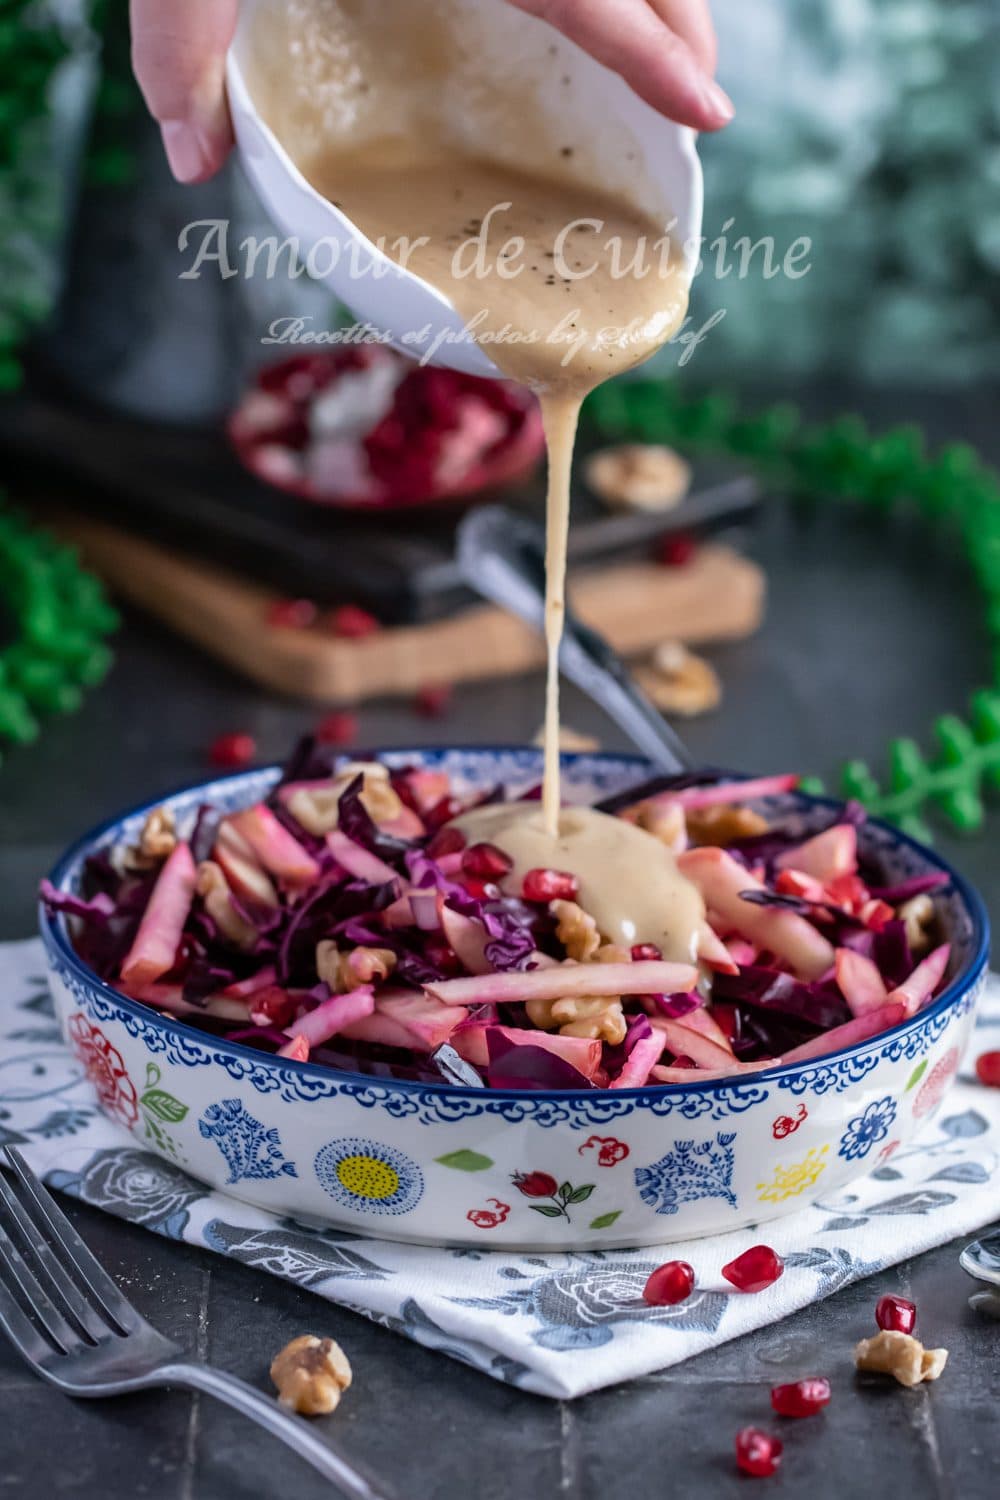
(502, 556)
(981, 1259)
(68, 1319)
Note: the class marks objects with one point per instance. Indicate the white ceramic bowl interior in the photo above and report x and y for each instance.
(634, 151)
(438, 1164)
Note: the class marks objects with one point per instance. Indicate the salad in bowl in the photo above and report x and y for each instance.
(366, 1011)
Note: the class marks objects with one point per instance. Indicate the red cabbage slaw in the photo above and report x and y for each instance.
(344, 921)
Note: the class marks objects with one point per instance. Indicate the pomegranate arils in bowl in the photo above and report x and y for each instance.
(669, 1284)
(755, 1269)
(757, 1452)
(645, 953)
(550, 885)
(801, 1398)
(896, 1314)
(486, 861)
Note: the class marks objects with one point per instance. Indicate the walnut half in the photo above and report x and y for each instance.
(311, 1375)
(901, 1355)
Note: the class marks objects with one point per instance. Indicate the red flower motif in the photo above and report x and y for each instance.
(104, 1067)
(931, 1091)
(535, 1184)
(489, 1218)
(611, 1151)
(887, 1150)
(786, 1124)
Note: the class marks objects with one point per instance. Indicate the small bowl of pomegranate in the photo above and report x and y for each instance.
(362, 428)
(360, 1008)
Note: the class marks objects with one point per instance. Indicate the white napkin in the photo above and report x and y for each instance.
(557, 1324)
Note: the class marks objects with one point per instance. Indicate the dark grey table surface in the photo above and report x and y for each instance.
(870, 632)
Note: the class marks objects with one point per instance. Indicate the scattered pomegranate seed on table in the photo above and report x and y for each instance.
(231, 751)
(292, 614)
(352, 622)
(486, 861)
(755, 1269)
(801, 1398)
(549, 885)
(675, 551)
(669, 1284)
(988, 1069)
(757, 1452)
(433, 699)
(896, 1313)
(339, 728)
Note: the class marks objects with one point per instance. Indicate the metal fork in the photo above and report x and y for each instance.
(71, 1323)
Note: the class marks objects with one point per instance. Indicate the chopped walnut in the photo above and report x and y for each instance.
(593, 1016)
(569, 739)
(311, 1375)
(213, 888)
(680, 682)
(638, 476)
(917, 915)
(901, 1355)
(345, 971)
(724, 824)
(317, 808)
(576, 930)
(611, 953)
(665, 821)
(158, 839)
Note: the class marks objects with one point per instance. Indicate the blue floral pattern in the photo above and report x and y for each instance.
(867, 1128)
(691, 1170)
(369, 1177)
(251, 1152)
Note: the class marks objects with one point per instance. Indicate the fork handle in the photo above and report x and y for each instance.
(266, 1412)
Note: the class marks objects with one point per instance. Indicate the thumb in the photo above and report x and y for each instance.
(179, 57)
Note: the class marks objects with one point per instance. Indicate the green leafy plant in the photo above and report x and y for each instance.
(952, 488)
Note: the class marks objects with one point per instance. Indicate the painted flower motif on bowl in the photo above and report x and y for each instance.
(866, 1129)
(106, 1070)
(369, 1177)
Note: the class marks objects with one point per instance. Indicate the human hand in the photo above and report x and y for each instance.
(664, 49)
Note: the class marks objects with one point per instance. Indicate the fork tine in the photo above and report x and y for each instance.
(14, 1270)
(21, 1331)
(93, 1276)
(49, 1271)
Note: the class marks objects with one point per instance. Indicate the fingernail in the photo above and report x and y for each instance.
(186, 150)
(717, 101)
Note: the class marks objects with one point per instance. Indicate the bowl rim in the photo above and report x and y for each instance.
(55, 934)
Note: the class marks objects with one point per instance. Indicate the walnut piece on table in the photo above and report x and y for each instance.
(900, 1355)
(311, 1375)
(638, 476)
(679, 681)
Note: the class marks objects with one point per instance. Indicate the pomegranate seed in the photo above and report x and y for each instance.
(337, 729)
(292, 614)
(446, 841)
(433, 699)
(549, 885)
(352, 622)
(803, 1398)
(757, 1452)
(442, 957)
(481, 890)
(230, 751)
(645, 952)
(443, 811)
(755, 1269)
(486, 861)
(675, 551)
(669, 1284)
(896, 1313)
(988, 1069)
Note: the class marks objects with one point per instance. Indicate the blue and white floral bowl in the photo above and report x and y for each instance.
(436, 1164)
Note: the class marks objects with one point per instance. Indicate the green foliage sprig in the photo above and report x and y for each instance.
(842, 458)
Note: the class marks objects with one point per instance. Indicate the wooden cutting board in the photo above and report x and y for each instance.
(718, 595)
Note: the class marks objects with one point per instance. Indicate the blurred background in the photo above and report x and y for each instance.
(135, 421)
(872, 127)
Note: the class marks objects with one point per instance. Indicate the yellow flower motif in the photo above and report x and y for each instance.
(789, 1182)
(367, 1177)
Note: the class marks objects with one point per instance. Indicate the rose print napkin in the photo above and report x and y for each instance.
(556, 1324)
